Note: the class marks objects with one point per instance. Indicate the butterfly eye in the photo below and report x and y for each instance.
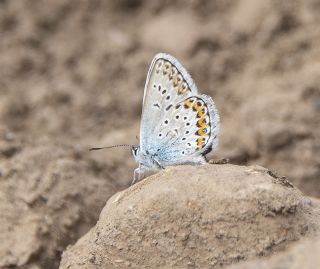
(135, 150)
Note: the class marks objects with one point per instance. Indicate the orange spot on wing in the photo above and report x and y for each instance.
(204, 131)
(198, 105)
(188, 104)
(200, 143)
(202, 122)
(201, 132)
(201, 113)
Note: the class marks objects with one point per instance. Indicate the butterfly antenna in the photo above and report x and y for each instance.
(109, 147)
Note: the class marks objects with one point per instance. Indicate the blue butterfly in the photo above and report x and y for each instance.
(178, 125)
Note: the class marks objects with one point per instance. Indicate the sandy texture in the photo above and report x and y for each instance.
(74, 71)
(201, 217)
(72, 75)
(48, 198)
(304, 255)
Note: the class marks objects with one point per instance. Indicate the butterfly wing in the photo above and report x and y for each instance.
(178, 125)
(167, 83)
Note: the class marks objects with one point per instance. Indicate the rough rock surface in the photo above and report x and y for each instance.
(304, 255)
(49, 197)
(199, 216)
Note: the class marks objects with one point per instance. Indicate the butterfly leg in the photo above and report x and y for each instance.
(158, 163)
(138, 174)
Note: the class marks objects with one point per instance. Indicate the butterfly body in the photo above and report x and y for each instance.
(178, 125)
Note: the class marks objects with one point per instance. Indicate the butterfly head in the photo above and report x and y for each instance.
(135, 151)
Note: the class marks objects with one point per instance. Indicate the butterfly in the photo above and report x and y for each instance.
(178, 124)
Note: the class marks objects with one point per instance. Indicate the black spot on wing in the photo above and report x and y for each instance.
(168, 107)
(208, 149)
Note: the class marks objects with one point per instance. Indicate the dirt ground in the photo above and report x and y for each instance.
(72, 76)
(205, 216)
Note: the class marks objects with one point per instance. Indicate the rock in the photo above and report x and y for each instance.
(198, 216)
(305, 255)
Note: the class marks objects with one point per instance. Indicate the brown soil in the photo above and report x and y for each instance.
(49, 197)
(304, 255)
(200, 217)
(72, 75)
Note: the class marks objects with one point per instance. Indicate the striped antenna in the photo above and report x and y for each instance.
(109, 147)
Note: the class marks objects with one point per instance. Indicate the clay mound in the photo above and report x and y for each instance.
(49, 197)
(200, 216)
(303, 255)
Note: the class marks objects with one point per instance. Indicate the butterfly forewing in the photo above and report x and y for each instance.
(177, 123)
(165, 87)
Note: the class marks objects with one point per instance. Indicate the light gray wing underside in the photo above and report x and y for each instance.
(177, 123)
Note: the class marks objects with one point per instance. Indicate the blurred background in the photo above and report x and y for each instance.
(72, 75)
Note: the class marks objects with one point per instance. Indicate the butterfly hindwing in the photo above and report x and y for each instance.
(190, 132)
